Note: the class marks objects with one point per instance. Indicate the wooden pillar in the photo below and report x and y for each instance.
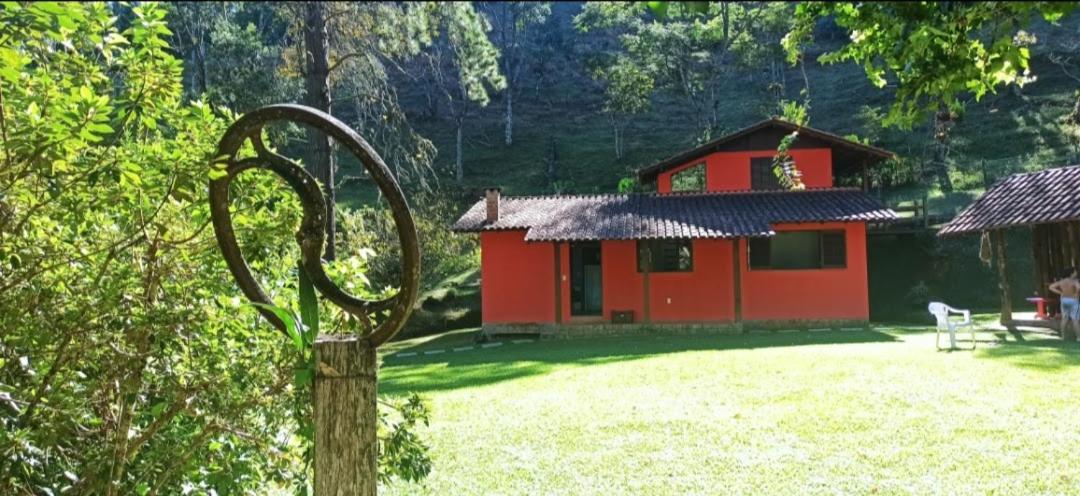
(345, 417)
(1006, 293)
(1037, 271)
(1045, 265)
(558, 282)
(1060, 247)
(1074, 230)
(737, 272)
(1063, 246)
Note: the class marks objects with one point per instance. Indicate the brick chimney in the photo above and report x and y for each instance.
(491, 195)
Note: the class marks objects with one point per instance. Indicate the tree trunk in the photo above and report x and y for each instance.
(320, 155)
(200, 60)
(345, 417)
(509, 114)
(552, 162)
(459, 165)
(508, 37)
(1003, 277)
(943, 123)
(727, 22)
(617, 132)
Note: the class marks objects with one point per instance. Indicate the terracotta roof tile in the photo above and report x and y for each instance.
(647, 216)
(1052, 195)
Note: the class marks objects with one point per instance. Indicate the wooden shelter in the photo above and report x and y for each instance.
(1046, 202)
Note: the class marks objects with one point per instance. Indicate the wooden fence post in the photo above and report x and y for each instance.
(345, 417)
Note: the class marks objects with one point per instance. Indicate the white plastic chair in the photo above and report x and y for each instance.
(941, 312)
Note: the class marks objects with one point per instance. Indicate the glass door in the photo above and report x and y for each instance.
(586, 293)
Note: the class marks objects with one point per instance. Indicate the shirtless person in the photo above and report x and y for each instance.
(1069, 289)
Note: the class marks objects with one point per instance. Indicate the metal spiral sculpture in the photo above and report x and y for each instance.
(312, 234)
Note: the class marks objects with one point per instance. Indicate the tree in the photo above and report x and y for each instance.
(463, 65)
(513, 21)
(128, 364)
(689, 49)
(344, 46)
(118, 326)
(232, 53)
(678, 52)
(628, 91)
(320, 159)
(935, 55)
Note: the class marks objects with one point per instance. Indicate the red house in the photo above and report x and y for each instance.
(719, 243)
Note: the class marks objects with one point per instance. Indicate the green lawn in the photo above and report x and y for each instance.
(789, 413)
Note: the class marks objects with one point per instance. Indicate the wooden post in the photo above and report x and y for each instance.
(1006, 293)
(1075, 241)
(345, 417)
(1036, 256)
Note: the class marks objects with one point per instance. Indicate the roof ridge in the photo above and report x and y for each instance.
(702, 150)
(677, 194)
(1044, 171)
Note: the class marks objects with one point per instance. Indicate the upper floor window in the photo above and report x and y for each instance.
(667, 255)
(762, 176)
(689, 179)
(799, 250)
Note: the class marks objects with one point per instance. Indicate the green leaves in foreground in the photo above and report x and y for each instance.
(934, 53)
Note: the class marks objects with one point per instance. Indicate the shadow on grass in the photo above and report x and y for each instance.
(449, 339)
(451, 370)
(1036, 353)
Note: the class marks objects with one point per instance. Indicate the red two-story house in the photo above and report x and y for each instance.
(720, 242)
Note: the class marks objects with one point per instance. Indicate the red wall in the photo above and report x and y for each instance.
(518, 283)
(623, 288)
(730, 171)
(517, 279)
(703, 295)
(820, 294)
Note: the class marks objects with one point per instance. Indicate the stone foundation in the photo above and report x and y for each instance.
(572, 331)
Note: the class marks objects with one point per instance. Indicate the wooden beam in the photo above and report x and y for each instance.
(1037, 258)
(1002, 265)
(737, 276)
(558, 282)
(1044, 257)
(1074, 228)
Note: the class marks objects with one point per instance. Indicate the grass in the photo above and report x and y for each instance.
(822, 413)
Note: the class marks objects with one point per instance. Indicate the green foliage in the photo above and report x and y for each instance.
(795, 112)
(128, 364)
(135, 372)
(689, 179)
(629, 185)
(683, 49)
(628, 89)
(934, 53)
(784, 167)
(444, 253)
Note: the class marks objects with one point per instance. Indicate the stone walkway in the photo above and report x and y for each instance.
(438, 351)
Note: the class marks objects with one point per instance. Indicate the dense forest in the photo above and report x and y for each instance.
(116, 303)
(577, 96)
